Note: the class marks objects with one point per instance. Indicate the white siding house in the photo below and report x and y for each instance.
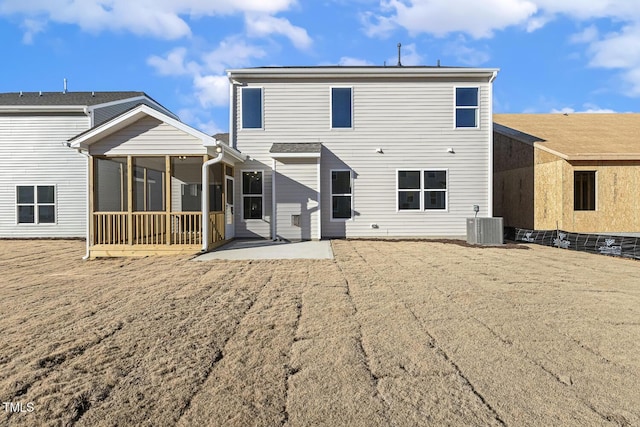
(43, 183)
(361, 151)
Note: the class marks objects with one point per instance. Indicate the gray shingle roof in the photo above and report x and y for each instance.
(69, 98)
(296, 148)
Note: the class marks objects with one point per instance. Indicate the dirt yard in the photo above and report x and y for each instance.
(388, 333)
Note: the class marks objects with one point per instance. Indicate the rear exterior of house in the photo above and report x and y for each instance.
(361, 151)
(43, 184)
(578, 173)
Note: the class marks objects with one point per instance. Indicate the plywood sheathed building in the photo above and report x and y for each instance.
(576, 172)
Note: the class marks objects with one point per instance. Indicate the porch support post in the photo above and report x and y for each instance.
(91, 208)
(167, 198)
(274, 209)
(130, 183)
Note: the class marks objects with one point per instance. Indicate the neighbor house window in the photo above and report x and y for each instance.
(341, 194)
(422, 190)
(584, 190)
(36, 204)
(467, 107)
(252, 194)
(341, 107)
(251, 108)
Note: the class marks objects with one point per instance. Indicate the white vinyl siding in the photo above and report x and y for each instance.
(32, 153)
(297, 195)
(411, 121)
(148, 136)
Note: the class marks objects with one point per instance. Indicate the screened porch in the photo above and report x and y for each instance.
(145, 205)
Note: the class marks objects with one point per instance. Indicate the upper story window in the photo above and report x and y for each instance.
(341, 108)
(36, 204)
(251, 108)
(467, 107)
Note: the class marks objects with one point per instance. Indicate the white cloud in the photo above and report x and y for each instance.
(348, 61)
(587, 109)
(31, 28)
(266, 25)
(467, 55)
(173, 64)
(588, 35)
(211, 90)
(230, 53)
(441, 17)
(164, 19)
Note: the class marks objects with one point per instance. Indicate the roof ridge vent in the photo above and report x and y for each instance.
(40, 94)
(20, 94)
(93, 94)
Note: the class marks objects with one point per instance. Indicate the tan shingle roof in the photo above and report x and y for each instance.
(577, 136)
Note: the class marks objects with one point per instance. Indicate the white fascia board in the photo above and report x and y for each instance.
(364, 72)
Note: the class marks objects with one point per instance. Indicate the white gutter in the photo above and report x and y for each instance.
(205, 196)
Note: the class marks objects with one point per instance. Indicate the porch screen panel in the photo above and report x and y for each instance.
(186, 185)
(148, 184)
(110, 185)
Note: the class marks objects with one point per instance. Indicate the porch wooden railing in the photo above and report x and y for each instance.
(155, 228)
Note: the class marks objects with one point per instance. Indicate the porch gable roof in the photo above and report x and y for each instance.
(85, 139)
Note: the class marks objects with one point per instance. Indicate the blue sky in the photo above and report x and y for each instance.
(554, 56)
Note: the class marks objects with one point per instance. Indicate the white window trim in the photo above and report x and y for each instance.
(421, 190)
(261, 108)
(332, 219)
(35, 205)
(242, 195)
(455, 109)
(331, 108)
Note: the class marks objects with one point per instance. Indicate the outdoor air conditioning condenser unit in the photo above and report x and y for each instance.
(485, 231)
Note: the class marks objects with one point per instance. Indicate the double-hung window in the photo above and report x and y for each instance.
(341, 195)
(467, 107)
(422, 190)
(36, 204)
(584, 190)
(252, 194)
(341, 108)
(252, 108)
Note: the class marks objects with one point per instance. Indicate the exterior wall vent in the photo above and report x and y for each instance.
(295, 220)
(485, 231)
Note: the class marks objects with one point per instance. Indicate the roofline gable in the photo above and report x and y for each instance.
(87, 138)
(135, 98)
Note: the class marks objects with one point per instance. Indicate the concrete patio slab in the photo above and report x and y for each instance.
(268, 249)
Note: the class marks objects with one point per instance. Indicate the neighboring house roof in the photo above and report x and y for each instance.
(224, 137)
(108, 103)
(301, 149)
(93, 135)
(61, 98)
(576, 136)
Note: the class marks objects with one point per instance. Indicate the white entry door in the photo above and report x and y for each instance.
(229, 227)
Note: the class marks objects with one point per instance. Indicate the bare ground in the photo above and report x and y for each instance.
(388, 333)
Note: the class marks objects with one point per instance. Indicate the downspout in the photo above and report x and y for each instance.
(87, 252)
(491, 151)
(205, 196)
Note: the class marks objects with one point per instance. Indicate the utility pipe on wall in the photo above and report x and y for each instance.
(205, 196)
